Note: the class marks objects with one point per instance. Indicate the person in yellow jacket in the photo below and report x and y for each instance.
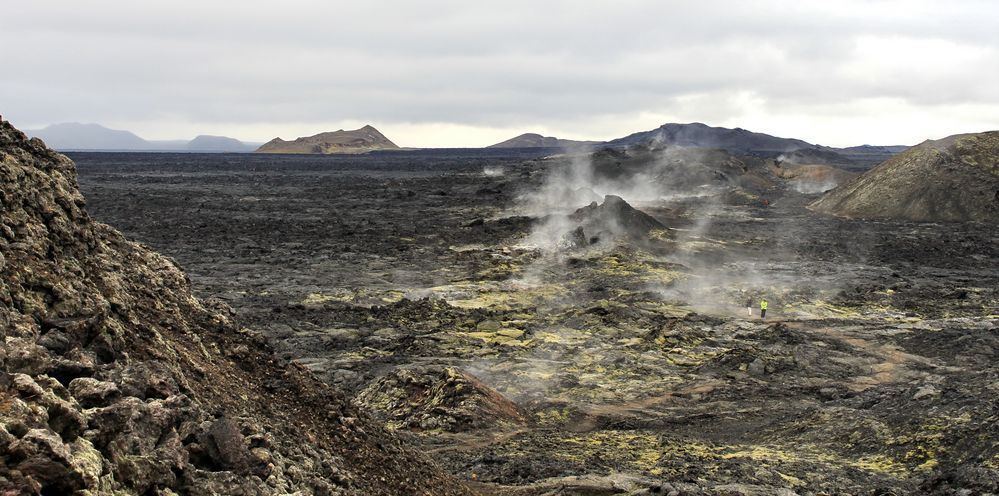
(763, 308)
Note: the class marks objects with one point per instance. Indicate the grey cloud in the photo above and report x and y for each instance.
(474, 63)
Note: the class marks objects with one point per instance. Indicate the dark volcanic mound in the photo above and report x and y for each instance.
(114, 379)
(612, 218)
(952, 179)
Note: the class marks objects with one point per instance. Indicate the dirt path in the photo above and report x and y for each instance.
(886, 363)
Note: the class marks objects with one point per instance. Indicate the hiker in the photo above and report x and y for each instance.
(749, 306)
(763, 308)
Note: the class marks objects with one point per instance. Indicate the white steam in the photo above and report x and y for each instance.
(664, 175)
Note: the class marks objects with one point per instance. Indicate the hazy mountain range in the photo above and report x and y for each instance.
(738, 140)
(75, 136)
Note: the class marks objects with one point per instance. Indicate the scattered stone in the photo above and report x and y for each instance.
(926, 392)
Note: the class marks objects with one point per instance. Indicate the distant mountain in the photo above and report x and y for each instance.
(206, 143)
(703, 136)
(534, 140)
(867, 156)
(76, 136)
(951, 179)
(743, 142)
(875, 149)
(361, 140)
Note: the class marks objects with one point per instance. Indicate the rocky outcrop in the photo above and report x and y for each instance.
(361, 140)
(952, 179)
(115, 379)
(438, 398)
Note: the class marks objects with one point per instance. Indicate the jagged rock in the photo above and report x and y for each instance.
(61, 415)
(90, 392)
(42, 458)
(225, 446)
(146, 380)
(575, 238)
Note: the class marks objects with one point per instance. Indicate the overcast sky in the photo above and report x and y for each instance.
(471, 73)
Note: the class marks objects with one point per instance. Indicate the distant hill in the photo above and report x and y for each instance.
(534, 140)
(76, 136)
(361, 140)
(951, 179)
(206, 143)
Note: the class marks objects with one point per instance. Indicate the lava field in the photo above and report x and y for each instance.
(473, 304)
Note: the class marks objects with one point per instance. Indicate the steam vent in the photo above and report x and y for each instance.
(116, 380)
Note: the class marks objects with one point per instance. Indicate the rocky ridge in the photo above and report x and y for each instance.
(115, 379)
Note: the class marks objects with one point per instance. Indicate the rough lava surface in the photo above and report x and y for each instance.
(114, 379)
(413, 282)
